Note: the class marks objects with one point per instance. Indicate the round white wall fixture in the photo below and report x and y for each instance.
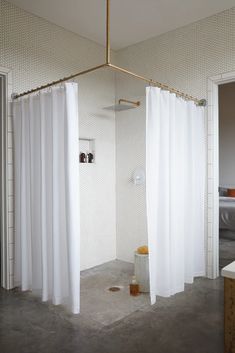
(139, 176)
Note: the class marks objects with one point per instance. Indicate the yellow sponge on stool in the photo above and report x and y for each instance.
(143, 250)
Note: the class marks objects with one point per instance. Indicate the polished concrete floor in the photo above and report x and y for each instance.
(188, 322)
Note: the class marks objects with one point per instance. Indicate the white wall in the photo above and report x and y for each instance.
(38, 52)
(227, 135)
(130, 155)
(98, 180)
(184, 58)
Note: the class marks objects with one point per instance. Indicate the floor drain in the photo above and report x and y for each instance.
(114, 289)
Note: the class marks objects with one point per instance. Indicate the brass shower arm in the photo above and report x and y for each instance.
(137, 104)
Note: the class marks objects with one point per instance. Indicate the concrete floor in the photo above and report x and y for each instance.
(227, 251)
(191, 321)
(101, 305)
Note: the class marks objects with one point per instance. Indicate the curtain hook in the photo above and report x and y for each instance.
(151, 83)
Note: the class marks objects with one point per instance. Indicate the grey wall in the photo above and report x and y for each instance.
(227, 134)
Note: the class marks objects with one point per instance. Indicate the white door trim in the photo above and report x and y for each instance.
(213, 171)
(5, 255)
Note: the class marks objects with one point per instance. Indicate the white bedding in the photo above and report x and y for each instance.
(227, 213)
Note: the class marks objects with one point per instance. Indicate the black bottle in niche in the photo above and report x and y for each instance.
(90, 158)
(82, 157)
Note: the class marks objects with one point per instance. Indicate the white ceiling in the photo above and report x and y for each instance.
(132, 21)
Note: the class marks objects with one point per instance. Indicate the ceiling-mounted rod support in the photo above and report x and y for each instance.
(108, 56)
(201, 102)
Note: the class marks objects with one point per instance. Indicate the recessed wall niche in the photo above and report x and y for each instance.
(87, 150)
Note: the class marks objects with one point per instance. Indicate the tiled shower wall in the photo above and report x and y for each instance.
(37, 52)
(184, 58)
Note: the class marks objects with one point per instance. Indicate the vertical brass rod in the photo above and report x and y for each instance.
(107, 31)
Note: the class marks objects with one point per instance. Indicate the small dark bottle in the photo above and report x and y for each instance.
(90, 158)
(82, 157)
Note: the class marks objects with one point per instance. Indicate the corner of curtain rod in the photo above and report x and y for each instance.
(202, 103)
(14, 96)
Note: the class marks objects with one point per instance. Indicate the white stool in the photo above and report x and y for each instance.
(142, 271)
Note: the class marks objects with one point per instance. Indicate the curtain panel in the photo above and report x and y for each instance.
(175, 191)
(47, 214)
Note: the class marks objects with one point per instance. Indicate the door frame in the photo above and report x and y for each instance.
(6, 281)
(213, 170)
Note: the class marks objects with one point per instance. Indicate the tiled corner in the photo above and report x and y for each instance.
(209, 272)
(10, 186)
(11, 238)
(10, 172)
(10, 123)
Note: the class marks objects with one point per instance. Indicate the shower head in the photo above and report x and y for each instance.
(123, 104)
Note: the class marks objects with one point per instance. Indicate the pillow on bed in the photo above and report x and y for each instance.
(223, 191)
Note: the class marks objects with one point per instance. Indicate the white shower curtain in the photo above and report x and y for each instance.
(47, 227)
(175, 189)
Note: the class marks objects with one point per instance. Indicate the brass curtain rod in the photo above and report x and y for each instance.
(108, 64)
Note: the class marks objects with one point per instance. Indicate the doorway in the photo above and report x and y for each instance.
(226, 174)
(213, 184)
